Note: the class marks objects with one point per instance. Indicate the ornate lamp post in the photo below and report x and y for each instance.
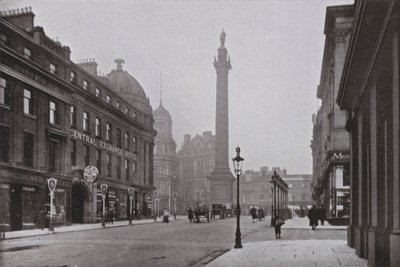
(237, 165)
(52, 183)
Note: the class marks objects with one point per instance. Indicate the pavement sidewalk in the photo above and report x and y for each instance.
(80, 227)
(300, 253)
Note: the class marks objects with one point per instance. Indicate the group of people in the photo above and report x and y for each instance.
(257, 214)
(315, 214)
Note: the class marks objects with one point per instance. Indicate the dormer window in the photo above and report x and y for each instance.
(134, 115)
(97, 92)
(118, 105)
(126, 110)
(108, 99)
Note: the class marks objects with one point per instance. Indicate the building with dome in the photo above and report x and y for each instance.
(57, 118)
(165, 163)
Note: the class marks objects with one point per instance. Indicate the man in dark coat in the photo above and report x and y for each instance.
(253, 213)
(313, 215)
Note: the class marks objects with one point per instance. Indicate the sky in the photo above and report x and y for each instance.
(275, 47)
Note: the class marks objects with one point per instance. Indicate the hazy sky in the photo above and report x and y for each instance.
(275, 49)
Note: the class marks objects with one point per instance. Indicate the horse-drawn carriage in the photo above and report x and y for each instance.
(201, 209)
(222, 210)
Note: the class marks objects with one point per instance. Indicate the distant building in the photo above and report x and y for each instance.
(165, 162)
(196, 161)
(58, 117)
(256, 189)
(330, 142)
(300, 192)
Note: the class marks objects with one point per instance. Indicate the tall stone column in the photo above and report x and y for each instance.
(221, 178)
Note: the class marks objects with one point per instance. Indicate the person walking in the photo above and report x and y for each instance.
(278, 224)
(313, 215)
(253, 212)
(190, 214)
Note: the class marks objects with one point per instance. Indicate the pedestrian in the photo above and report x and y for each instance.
(190, 214)
(253, 212)
(260, 214)
(313, 217)
(278, 222)
(322, 215)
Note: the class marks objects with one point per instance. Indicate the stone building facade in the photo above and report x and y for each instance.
(58, 117)
(330, 142)
(369, 92)
(300, 192)
(165, 163)
(196, 159)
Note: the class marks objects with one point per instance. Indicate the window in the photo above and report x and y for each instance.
(73, 116)
(134, 144)
(53, 69)
(119, 168)
(85, 121)
(86, 155)
(85, 85)
(134, 114)
(28, 148)
(108, 132)
(52, 154)
(126, 110)
(73, 153)
(118, 137)
(4, 143)
(118, 105)
(134, 168)
(97, 92)
(27, 53)
(28, 102)
(97, 129)
(127, 170)
(53, 118)
(4, 92)
(108, 99)
(108, 165)
(98, 160)
(126, 140)
(3, 38)
(73, 77)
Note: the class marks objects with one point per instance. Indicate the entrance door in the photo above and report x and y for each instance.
(16, 207)
(78, 198)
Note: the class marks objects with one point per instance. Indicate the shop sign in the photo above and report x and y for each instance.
(52, 183)
(98, 143)
(90, 174)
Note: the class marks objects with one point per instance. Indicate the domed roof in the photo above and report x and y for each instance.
(124, 83)
(161, 113)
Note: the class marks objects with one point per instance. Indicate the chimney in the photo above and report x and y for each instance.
(21, 17)
(67, 52)
(38, 35)
(89, 65)
(207, 135)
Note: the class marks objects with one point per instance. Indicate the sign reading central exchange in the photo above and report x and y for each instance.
(98, 143)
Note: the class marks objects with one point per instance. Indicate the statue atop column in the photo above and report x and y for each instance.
(222, 38)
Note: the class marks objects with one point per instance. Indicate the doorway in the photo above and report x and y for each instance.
(15, 207)
(79, 194)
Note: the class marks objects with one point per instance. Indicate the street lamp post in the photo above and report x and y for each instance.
(237, 165)
(104, 188)
(155, 205)
(175, 205)
(52, 183)
(131, 192)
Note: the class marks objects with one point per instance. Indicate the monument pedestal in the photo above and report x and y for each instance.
(221, 184)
